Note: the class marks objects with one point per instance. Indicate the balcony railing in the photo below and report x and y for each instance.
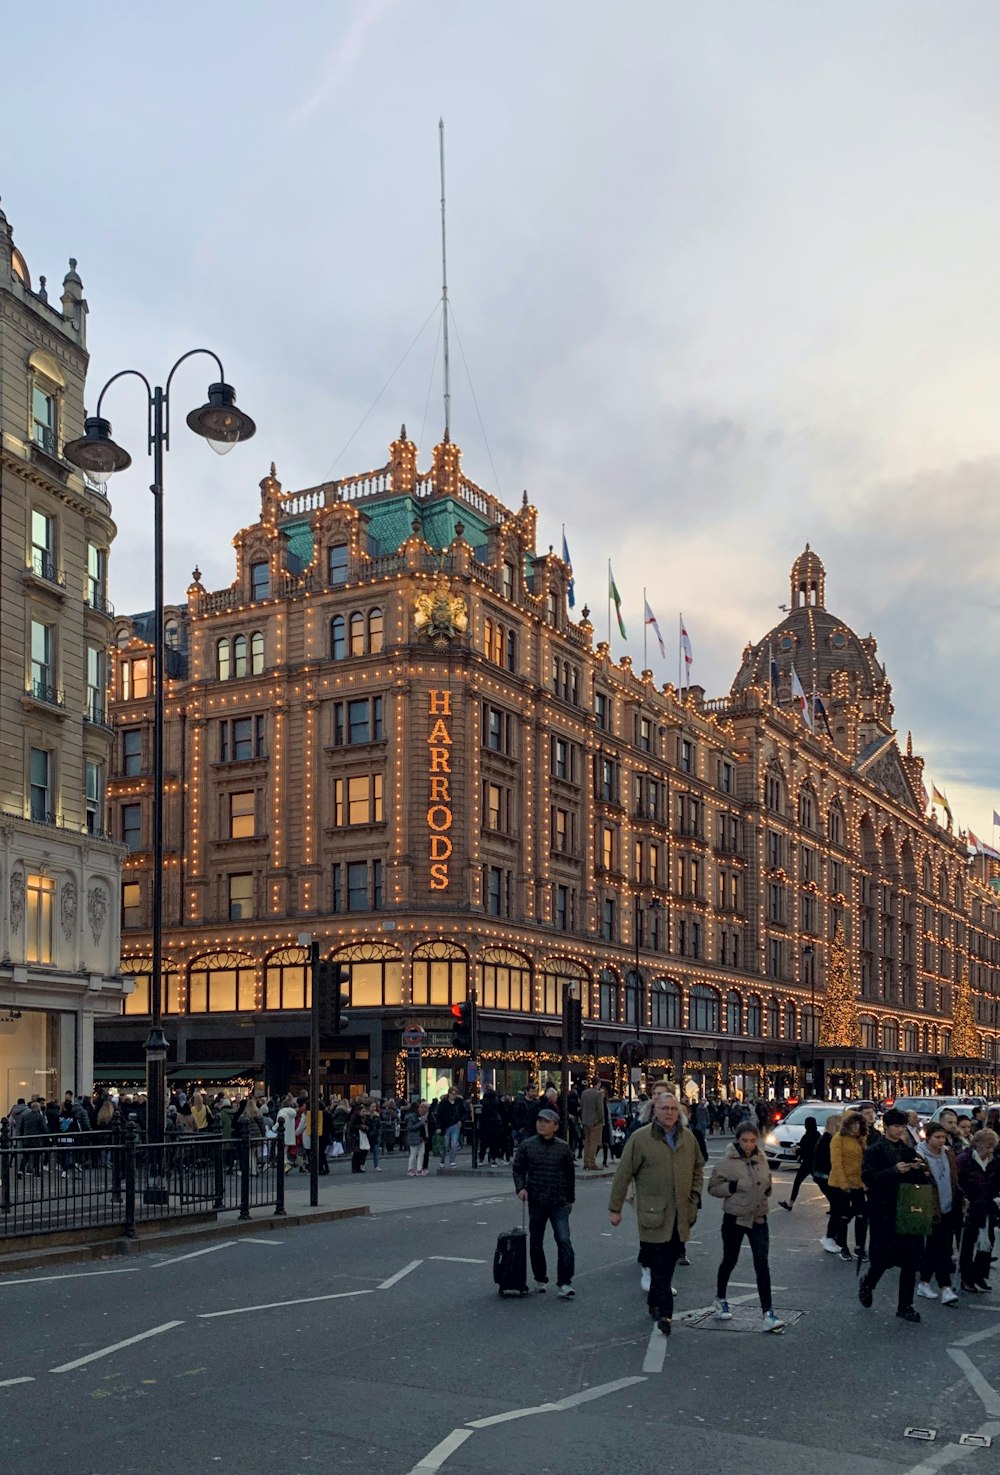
(99, 601)
(43, 692)
(97, 715)
(43, 566)
(45, 439)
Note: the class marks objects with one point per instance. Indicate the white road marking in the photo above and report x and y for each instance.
(601, 1391)
(68, 1367)
(992, 1331)
(656, 1352)
(74, 1275)
(514, 1413)
(386, 1285)
(254, 1239)
(586, 1396)
(948, 1454)
(983, 1390)
(274, 1305)
(453, 1260)
(194, 1254)
(437, 1456)
(13, 1382)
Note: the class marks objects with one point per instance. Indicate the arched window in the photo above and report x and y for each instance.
(488, 639)
(807, 807)
(506, 980)
(773, 1017)
(789, 1021)
(754, 1015)
(665, 1004)
(511, 651)
(556, 978)
(440, 973)
(911, 1039)
(704, 1009)
(376, 631)
(373, 974)
(338, 642)
(221, 983)
(140, 972)
(809, 1024)
(257, 653)
(774, 791)
(734, 1014)
(633, 999)
(869, 1033)
(928, 878)
(943, 884)
(357, 634)
(607, 1007)
(240, 655)
(959, 895)
(890, 1035)
(286, 980)
(496, 645)
(223, 668)
(835, 825)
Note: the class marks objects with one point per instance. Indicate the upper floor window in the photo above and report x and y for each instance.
(602, 711)
(45, 417)
(43, 545)
(94, 797)
(358, 721)
(241, 738)
(257, 653)
(97, 576)
(685, 755)
(774, 793)
(40, 895)
(644, 734)
(807, 809)
(336, 564)
(338, 638)
(376, 631)
(551, 607)
(726, 777)
(240, 655)
(704, 1008)
(241, 899)
(40, 785)
(358, 800)
(96, 659)
(498, 730)
(131, 751)
(507, 580)
(132, 826)
(835, 825)
(242, 815)
(42, 656)
(223, 659)
(563, 757)
(135, 679)
(260, 581)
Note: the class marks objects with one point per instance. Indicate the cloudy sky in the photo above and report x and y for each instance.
(724, 278)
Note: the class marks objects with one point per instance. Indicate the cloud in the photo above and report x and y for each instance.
(343, 59)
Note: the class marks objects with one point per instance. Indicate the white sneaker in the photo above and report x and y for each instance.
(645, 1279)
(948, 1296)
(830, 1245)
(567, 1292)
(928, 1292)
(771, 1323)
(722, 1311)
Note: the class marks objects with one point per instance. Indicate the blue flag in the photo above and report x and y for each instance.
(571, 595)
(996, 818)
(820, 712)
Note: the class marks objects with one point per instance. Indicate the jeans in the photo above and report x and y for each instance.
(376, 1153)
(847, 1204)
(415, 1160)
(538, 1216)
(937, 1251)
(452, 1137)
(802, 1173)
(660, 1259)
(877, 1266)
(732, 1241)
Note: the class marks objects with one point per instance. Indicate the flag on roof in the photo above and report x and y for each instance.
(940, 799)
(687, 653)
(980, 848)
(799, 698)
(571, 593)
(650, 619)
(996, 818)
(819, 712)
(613, 594)
(772, 667)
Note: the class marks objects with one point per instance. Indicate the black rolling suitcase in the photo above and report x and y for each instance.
(510, 1263)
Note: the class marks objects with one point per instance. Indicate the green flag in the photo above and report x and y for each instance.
(613, 594)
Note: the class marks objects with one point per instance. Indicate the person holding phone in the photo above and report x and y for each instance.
(889, 1162)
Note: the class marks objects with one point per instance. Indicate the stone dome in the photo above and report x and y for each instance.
(830, 660)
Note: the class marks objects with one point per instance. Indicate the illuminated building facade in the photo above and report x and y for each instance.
(390, 731)
(60, 872)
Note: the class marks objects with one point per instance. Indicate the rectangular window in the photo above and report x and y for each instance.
(43, 545)
(131, 904)
(607, 847)
(241, 897)
(40, 780)
(42, 675)
(607, 784)
(96, 705)
(43, 411)
(726, 777)
(494, 891)
(240, 739)
(242, 817)
(39, 899)
(562, 907)
(644, 734)
(358, 721)
(260, 581)
(498, 730)
(560, 830)
(97, 576)
(135, 679)
(358, 800)
(774, 958)
(493, 806)
(560, 758)
(357, 886)
(507, 581)
(685, 756)
(774, 850)
(95, 797)
(131, 751)
(602, 710)
(608, 920)
(337, 564)
(132, 826)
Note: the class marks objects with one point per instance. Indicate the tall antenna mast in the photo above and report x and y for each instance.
(444, 294)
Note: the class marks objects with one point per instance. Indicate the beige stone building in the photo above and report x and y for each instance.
(391, 731)
(60, 872)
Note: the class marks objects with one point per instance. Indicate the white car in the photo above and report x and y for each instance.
(927, 1107)
(781, 1143)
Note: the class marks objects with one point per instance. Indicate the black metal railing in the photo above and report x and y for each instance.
(54, 1182)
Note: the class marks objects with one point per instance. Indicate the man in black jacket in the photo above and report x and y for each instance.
(544, 1174)
(889, 1162)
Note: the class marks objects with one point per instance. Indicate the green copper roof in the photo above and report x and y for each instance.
(390, 523)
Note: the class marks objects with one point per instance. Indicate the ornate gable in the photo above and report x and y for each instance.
(881, 764)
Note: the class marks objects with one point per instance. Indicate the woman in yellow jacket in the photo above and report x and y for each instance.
(847, 1191)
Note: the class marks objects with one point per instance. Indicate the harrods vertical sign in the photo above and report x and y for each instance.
(440, 817)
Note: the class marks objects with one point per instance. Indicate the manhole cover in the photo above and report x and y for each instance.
(746, 1318)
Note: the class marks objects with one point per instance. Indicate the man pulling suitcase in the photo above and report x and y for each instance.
(545, 1177)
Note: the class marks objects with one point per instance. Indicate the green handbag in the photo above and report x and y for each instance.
(915, 1209)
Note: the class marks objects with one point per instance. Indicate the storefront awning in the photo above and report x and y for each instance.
(214, 1070)
(120, 1073)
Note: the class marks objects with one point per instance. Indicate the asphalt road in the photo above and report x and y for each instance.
(379, 1345)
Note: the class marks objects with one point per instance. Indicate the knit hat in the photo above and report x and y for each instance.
(894, 1118)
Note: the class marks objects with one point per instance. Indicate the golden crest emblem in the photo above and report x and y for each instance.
(439, 613)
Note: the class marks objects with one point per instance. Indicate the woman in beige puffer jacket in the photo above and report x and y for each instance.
(743, 1181)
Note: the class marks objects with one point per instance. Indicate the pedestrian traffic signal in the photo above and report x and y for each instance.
(573, 1011)
(461, 1030)
(332, 998)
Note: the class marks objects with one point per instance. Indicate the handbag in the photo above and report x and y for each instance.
(363, 1143)
(437, 1144)
(915, 1209)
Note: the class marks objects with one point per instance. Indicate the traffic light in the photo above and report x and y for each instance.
(461, 1030)
(574, 1022)
(332, 997)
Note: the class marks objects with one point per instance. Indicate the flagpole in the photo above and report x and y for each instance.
(645, 627)
(609, 605)
(680, 627)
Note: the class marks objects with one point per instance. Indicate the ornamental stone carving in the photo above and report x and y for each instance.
(16, 900)
(97, 911)
(440, 614)
(67, 908)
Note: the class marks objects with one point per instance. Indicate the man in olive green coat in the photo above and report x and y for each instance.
(665, 1164)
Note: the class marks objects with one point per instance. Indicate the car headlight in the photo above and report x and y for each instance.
(771, 1140)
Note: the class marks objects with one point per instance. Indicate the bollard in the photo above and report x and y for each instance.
(244, 1151)
(128, 1226)
(279, 1185)
(5, 1152)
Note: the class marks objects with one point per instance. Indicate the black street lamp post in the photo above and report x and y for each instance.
(220, 423)
(809, 952)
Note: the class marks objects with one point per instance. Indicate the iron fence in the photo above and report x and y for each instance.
(83, 1180)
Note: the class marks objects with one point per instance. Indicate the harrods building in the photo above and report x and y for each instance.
(392, 732)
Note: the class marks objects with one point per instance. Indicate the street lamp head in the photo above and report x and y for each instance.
(219, 421)
(95, 452)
